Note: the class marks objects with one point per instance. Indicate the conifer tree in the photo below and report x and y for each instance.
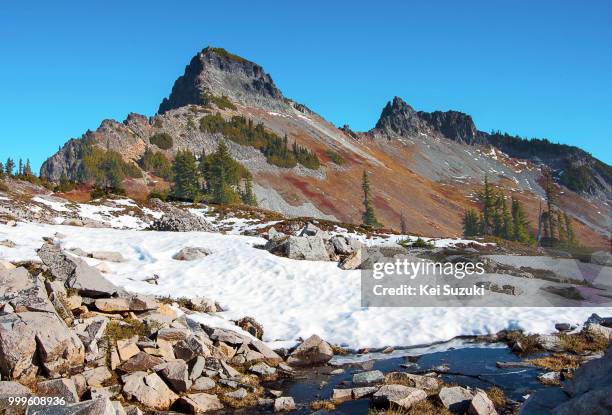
(470, 223)
(186, 176)
(489, 201)
(369, 217)
(551, 200)
(27, 169)
(1, 169)
(569, 229)
(506, 231)
(247, 196)
(9, 167)
(561, 227)
(519, 223)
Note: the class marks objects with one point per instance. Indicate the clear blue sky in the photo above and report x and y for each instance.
(534, 68)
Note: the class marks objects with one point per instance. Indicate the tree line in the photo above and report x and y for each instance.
(215, 177)
(509, 221)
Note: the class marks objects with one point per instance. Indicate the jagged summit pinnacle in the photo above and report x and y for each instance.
(399, 119)
(218, 72)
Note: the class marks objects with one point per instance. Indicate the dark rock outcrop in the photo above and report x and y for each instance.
(454, 125)
(220, 73)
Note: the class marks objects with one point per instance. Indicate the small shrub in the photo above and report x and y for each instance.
(221, 102)
(529, 343)
(159, 194)
(325, 405)
(335, 157)
(162, 140)
(125, 329)
(497, 396)
(583, 342)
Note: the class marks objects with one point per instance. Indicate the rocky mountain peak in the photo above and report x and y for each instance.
(455, 125)
(399, 118)
(218, 72)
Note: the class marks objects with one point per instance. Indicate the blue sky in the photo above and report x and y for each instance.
(537, 69)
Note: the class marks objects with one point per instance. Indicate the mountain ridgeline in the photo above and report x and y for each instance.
(425, 163)
(573, 167)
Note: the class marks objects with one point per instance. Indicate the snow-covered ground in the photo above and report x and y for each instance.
(290, 298)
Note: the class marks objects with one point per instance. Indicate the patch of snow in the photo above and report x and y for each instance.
(290, 298)
(55, 205)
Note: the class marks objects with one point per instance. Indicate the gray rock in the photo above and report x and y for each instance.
(76, 273)
(593, 402)
(409, 379)
(313, 351)
(353, 261)
(364, 391)
(203, 384)
(310, 248)
(131, 303)
(312, 230)
(262, 369)
(283, 404)
(550, 378)
(111, 256)
(368, 378)
(64, 388)
(400, 395)
(199, 403)
(178, 220)
(140, 362)
(149, 390)
(341, 395)
(481, 405)
(97, 376)
(58, 348)
(564, 327)
(456, 399)
(10, 388)
(237, 394)
(197, 367)
(176, 373)
(341, 245)
(23, 292)
(191, 253)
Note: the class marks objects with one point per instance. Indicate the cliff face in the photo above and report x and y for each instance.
(426, 166)
(218, 72)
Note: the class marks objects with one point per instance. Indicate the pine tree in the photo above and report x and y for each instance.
(498, 219)
(186, 176)
(561, 227)
(247, 196)
(470, 223)
(551, 200)
(519, 223)
(489, 201)
(20, 168)
(9, 167)
(1, 169)
(369, 217)
(403, 225)
(224, 176)
(506, 231)
(27, 169)
(569, 230)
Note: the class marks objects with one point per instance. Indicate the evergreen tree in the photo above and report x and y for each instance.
(27, 169)
(551, 200)
(369, 217)
(247, 196)
(1, 169)
(223, 175)
(498, 219)
(470, 223)
(519, 223)
(506, 231)
(489, 201)
(186, 176)
(9, 167)
(20, 168)
(403, 225)
(561, 227)
(569, 229)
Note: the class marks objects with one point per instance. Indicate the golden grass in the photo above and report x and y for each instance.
(583, 342)
(557, 362)
(321, 404)
(497, 396)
